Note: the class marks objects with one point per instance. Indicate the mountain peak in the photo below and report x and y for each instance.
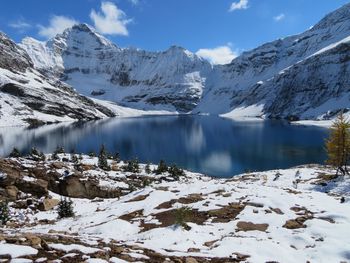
(340, 15)
(83, 27)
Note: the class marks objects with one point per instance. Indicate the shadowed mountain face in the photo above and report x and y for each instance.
(302, 76)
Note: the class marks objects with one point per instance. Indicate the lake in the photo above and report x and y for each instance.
(207, 144)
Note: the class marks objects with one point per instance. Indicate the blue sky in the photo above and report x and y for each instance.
(219, 28)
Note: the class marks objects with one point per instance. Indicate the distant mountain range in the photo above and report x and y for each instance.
(304, 76)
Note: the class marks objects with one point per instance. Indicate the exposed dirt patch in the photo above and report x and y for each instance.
(190, 199)
(249, 226)
(138, 198)
(226, 213)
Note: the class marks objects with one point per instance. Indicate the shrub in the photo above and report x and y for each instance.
(59, 150)
(4, 212)
(102, 159)
(92, 154)
(15, 153)
(162, 167)
(36, 155)
(116, 157)
(182, 216)
(148, 169)
(75, 159)
(146, 182)
(65, 208)
(176, 172)
(132, 166)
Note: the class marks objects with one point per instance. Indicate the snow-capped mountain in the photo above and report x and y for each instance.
(29, 97)
(301, 76)
(95, 66)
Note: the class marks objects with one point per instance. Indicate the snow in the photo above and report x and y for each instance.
(263, 188)
(73, 247)
(16, 251)
(253, 112)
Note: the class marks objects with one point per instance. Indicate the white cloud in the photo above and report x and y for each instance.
(219, 55)
(20, 24)
(242, 4)
(112, 21)
(280, 17)
(56, 26)
(134, 2)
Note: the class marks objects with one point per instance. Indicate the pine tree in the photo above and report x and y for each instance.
(148, 168)
(15, 153)
(4, 212)
(65, 208)
(102, 159)
(132, 166)
(162, 167)
(36, 155)
(338, 145)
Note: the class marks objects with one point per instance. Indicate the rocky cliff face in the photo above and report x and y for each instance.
(27, 96)
(303, 76)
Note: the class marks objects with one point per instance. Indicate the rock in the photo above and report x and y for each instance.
(249, 226)
(294, 224)
(12, 192)
(37, 187)
(34, 240)
(193, 250)
(48, 204)
(191, 260)
(57, 165)
(72, 186)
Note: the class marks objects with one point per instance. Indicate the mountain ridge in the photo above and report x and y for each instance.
(269, 79)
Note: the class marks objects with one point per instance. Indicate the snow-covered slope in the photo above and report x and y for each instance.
(301, 76)
(28, 97)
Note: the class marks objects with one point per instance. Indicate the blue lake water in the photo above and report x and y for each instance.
(207, 144)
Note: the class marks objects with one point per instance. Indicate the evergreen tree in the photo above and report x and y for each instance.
(75, 159)
(65, 208)
(338, 145)
(92, 154)
(176, 172)
(15, 153)
(4, 212)
(102, 159)
(132, 166)
(162, 167)
(148, 168)
(36, 155)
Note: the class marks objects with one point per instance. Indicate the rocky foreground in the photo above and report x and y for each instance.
(296, 215)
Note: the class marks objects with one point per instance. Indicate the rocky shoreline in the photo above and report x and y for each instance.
(146, 214)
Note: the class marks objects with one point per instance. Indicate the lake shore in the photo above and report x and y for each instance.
(292, 215)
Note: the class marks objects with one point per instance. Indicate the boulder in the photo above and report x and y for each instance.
(249, 226)
(191, 260)
(37, 187)
(12, 192)
(48, 204)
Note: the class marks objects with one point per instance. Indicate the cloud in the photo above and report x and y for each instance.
(134, 2)
(242, 4)
(20, 25)
(280, 17)
(112, 20)
(219, 55)
(56, 26)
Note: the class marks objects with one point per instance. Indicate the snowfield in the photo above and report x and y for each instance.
(293, 215)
